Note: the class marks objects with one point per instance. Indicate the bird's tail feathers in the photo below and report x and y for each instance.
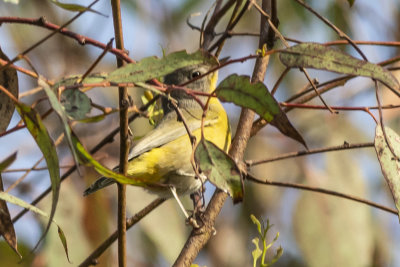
(98, 184)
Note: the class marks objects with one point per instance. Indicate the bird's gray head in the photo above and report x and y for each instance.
(206, 84)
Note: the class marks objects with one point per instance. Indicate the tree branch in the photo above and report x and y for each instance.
(199, 237)
(345, 146)
(322, 191)
(124, 138)
(81, 39)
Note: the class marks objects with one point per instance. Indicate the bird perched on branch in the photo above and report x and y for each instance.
(163, 156)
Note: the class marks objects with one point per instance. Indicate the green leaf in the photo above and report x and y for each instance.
(75, 7)
(256, 222)
(38, 131)
(257, 252)
(76, 103)
(19, 202)
(390, 164)
(152, 67)
(220, 169)
(7, 162)
(74, 79)
(276, 257)
(88, 160)
(6, 226)
(61, 113)
(351, 2)
(240, 91)
(317, 56)
(9, 80)
(15, 2)
(96, 118)
(63, 240)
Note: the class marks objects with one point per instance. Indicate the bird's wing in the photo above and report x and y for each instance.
(168, 130)
(165, 132)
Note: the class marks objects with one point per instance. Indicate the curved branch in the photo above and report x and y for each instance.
(81, 39)
(323, 191)
(345, 146)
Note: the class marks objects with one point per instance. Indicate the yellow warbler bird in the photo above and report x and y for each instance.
(163, 155)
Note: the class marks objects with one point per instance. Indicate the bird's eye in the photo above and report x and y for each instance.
(196, 74)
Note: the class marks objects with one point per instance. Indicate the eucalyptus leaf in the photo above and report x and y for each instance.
(390, 163)
(240, 91)
(9, 80)
(88, 160)
(19, 202)
(6, 226)
(76, 103)
(220, 169)
(8, 161)
(152, 67)
(39, 133)
(318, 56)
(58, 108)
(75, 7)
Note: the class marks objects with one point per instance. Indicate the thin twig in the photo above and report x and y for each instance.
(23, 70)
(280, 79)
(34, 169)
(91, 68)
(82, 40)
(46, 37)
(326, 86)
(277, 32)
(233, 24)
(332, 26)
(209, 33)
(235, 12)
(296, 154)
(322, 191)
(124, 137)
(92, 258)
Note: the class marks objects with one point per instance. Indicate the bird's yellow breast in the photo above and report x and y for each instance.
(174, 157)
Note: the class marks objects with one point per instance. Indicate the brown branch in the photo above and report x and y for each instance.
(345, 42)
(234, 14)
(219, 12)
(345, 146)
(82, 40)
(24, 71)
(276, 31)
(34, 169)
(92, 258)
(232, 25)
(199, 237)
(322, 191)
(44, 39)
(98, 59)
(365, 109)
(332, 26)
(124, 137)
(280, 79)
